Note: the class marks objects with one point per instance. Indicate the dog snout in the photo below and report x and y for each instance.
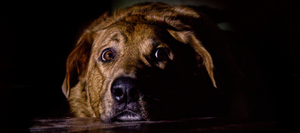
(124, 90)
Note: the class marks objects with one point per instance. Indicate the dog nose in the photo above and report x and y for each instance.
(124, 90)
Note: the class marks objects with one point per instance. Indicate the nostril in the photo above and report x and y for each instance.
(118, 93)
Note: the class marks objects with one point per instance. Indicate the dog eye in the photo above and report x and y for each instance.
(107, 55)
(161, 54)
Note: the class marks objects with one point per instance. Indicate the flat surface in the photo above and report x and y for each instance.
(207, 124)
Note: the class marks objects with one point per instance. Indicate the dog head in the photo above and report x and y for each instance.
(142, 63)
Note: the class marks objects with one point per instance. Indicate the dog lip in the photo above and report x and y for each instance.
(127, 115)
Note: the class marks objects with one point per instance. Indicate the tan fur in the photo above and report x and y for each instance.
(88, 80)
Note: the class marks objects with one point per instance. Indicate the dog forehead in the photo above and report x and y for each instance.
(143, 36)
(138, 31)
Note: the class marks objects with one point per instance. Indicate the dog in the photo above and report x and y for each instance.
(149, 61)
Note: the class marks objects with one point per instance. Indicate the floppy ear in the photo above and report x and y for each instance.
(77, 62)
(187, 37)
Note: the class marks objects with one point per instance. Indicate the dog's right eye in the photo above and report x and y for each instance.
(107, 55)
(161, 54)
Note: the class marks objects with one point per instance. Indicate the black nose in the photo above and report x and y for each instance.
(124, 89)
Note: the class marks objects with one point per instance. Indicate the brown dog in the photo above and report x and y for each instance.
(145, 62)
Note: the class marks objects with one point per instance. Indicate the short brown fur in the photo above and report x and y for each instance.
(130, 30)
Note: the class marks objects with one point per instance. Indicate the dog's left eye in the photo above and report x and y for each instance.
(107, 55)
(161, 54)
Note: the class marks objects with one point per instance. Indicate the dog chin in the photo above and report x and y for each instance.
(127, 116)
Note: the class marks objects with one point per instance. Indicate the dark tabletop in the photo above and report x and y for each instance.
(207, 124)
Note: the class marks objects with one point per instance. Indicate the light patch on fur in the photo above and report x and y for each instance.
(144, 113)
(94, 88)
(107, 105)
(129, 117)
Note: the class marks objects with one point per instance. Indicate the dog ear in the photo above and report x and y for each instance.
(77, 62)
(187, 37)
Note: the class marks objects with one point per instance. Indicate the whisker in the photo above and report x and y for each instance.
(155, 99)
(153, 107)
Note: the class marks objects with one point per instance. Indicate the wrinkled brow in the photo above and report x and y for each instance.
(115, 38)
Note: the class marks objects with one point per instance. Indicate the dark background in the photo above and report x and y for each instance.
(36, 39)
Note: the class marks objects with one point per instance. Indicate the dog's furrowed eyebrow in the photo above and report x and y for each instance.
(115, 38)
(118, 36)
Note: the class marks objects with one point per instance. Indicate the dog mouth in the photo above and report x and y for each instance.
(127, 115)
